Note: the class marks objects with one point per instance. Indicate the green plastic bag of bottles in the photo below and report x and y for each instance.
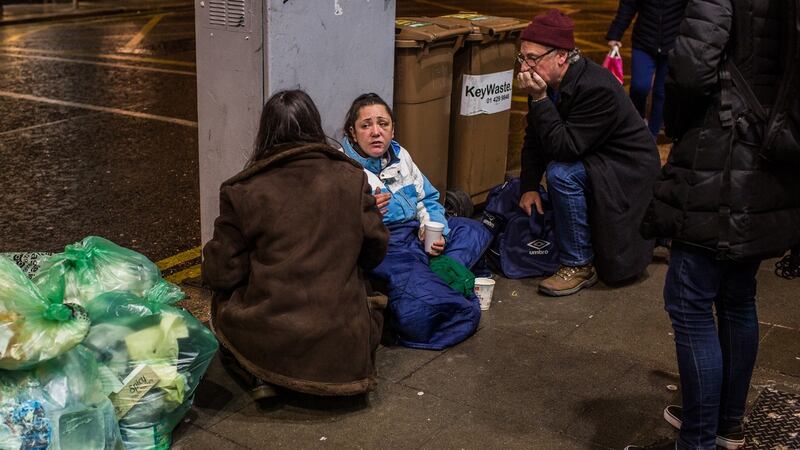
(29, 262)
(58, 405)
(156, 355)
(95, 266)
(34, 329)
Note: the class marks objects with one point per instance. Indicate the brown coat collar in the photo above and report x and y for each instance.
(289, 152)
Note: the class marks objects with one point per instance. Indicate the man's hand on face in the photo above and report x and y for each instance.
(530, 82)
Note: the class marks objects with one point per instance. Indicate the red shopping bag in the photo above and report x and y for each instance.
(613, 62)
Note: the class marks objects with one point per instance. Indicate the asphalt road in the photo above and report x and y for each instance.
(99, 134)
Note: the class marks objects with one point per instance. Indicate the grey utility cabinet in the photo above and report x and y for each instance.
(249, 49)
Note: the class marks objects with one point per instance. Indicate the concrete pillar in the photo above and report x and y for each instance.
(248, 49)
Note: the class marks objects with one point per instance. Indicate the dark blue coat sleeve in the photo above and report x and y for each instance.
(625, 13)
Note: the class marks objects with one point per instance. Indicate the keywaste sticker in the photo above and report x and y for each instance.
(486, 94)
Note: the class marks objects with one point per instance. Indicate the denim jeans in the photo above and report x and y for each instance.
(715, 362)
(643, 67)
(566, 186)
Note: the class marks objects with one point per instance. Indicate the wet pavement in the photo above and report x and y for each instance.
(77, 98)
(99, 136)
(589, 371)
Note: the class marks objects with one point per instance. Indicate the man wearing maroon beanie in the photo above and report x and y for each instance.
(599, 156)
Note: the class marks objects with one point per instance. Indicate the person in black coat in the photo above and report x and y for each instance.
(600, 159)
(724, 206)
(654, 35)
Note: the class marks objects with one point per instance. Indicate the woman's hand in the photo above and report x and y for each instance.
(382, 200)
(437, 247)
(613, 44)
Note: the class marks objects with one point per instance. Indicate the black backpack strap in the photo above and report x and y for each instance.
(740, 49)
(747, 93)
(725, 97)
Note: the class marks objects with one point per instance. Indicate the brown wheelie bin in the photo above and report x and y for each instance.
(483, 75)
(422, 87)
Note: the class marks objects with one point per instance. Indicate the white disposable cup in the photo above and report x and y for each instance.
(484, 288)
(433, 232)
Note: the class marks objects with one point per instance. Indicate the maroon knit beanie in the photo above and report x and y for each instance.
(552, 29)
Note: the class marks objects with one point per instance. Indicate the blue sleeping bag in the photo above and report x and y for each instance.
(424, 312)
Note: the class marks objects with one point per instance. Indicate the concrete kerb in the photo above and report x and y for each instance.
(49, 17)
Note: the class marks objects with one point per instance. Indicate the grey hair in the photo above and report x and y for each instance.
(573, 55)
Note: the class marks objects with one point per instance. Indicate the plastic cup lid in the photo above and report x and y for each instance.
(434, 226)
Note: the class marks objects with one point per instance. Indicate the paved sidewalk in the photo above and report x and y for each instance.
(40, 11)
(593, 370)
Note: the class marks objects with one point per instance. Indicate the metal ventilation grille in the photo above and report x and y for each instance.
(235, 13)
(228, 14)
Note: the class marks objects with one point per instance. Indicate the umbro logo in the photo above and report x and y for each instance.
(538, 244)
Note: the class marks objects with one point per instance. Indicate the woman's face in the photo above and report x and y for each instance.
(374, 130)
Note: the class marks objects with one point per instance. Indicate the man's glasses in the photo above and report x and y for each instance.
(532, 60)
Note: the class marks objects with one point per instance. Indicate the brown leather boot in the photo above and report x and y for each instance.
(568, 280)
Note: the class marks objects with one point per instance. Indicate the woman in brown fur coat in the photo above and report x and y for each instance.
(296, 228)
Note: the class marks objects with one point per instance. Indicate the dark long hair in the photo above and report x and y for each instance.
(352, 114)
(288, 117)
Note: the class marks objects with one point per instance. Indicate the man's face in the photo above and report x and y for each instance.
(545, 61)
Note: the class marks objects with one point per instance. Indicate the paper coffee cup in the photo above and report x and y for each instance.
(433, 232)
(484, 288)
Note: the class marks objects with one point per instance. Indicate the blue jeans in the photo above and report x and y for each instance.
(643, 67)
(715, 364)
(566, 186)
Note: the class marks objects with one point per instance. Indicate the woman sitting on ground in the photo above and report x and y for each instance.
(425, 312)
(296, 227)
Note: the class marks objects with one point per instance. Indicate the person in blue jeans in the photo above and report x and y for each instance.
(715, 364)
(599, 157)
(724, 207)
(654, 33)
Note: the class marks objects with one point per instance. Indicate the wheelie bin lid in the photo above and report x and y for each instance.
(482, 25)
(417, 32)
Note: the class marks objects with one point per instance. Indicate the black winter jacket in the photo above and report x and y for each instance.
(715, 190)
(595, 122)
(656, 24)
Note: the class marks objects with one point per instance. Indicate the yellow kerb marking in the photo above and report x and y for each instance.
(191, 272)
(180, 258)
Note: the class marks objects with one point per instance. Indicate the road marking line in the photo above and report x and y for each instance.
(608, 17)
(15, 37)
(34, 28)
(33, 127)
(99, 63)
(439, 5)
(180, 258)
(122, 112)
(191, 272)
(171, 62)
(584, 43)
(583, 22)
(134, 42)
(568, 10)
